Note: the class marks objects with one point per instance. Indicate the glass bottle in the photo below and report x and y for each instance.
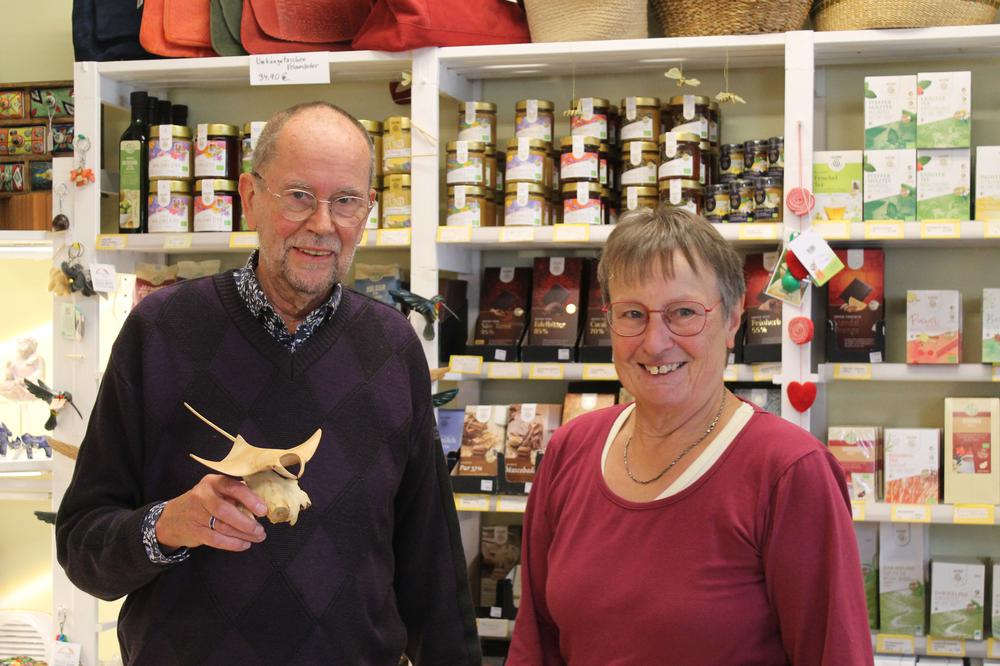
(132, 169)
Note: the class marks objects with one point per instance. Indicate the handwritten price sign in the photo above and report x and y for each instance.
(289, 69)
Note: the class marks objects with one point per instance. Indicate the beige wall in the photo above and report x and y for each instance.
(40, 48)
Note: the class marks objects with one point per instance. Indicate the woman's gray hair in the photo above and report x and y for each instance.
(644, 238)
(267, 142)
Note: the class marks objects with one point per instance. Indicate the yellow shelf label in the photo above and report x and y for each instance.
(454, 234)
(598, 371)
(758, 231)
(884, 230)
(991, 229)
(992, 648)
(243, 239)
(466, 365)
(517, 234)
(503, 370)
(177, 242)
(940, 229)
(895, 644)
(858, 510)
(512, 504)
(731, 373)
(942, 647)
(833, 230)
(765, 372)
(852, 371)
(974, 514)
(392, 237)
(364, 238)
(571, 233)
(996, 372)
(472, 502)
(546, 371)
(112, 241)
(910, 513)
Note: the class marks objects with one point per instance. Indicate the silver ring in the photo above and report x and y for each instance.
(211, 523)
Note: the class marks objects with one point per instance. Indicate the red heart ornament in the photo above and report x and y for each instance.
(802, 396)
(795, 266)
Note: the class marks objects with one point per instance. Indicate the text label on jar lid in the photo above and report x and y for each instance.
(163, 193)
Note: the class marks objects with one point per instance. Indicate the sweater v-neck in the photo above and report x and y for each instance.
(294, 363)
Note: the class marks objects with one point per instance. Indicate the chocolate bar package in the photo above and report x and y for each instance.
(504, 300)
(575, 404)
(11, 104)
(859, 451)
(483, 431)
(452, 318)
(58, 101)
(450, 425)
(762, 334)
(557, 287)
(41, 175)
(596, 344)
(855, 308)
(500, 551)
(529, 429)
(62, 138)
(375, 280)
(933, 326)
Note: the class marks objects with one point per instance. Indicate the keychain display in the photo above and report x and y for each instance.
(81, 175)
(60, 222)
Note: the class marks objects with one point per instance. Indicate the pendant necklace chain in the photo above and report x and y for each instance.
(708, 431)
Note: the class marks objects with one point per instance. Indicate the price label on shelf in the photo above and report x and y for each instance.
(454, 234)
(858, 510)
(852, 371)
(884, 230)
(177, 242)
(546, 371)
(465, 365)
(392, 237)
(364, 238)
(512, 504)
(833, 230)
(895, 644)
(910, 513)
(243, 239)
(940, 229)
(517, 234)
(974, 514)
(283, 69)
(472, 502)
(493, 627)
(599, 371)
(503, 370)
(940, 647)
(571, 233)
(996, 373)
(991, 229)
(993, 649)
(112, 241)
(765, 372)
(758, 231)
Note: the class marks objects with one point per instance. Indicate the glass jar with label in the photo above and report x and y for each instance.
(776, 156)
(769, 199)
(689, 113)
(581, 203)
(374, 130)
(731, 160)
(217, 151)
(477, 121)
(640, 119)
(705, 177)
(491, 167)
(396, 200)
(755, 161)
(716, 207)
(592, 119)
(741, 200)
(534, 119)
(169, 206)
(374, 215)
(466, 206)
(609, 206)
(466, 163)
(216, 204)
(680, 156)
(686, 194)
(525, 205)
(603, 166)
(580, 159)
(635, 197)
(248, 140)
(640, 162)
(528, 161)
(169, 152)
(396, 146)
(501, 173)
(714, 123)
(554, 158)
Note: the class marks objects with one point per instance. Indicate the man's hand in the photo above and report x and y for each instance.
(186, 520)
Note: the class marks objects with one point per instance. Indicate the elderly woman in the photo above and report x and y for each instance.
(689, 527)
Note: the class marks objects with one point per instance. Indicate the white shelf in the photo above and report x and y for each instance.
(850, 47)
(473, 368)
(942, 514)
(902, 372)
(24, 478)
(224, 241)
(919, 645)
(937, 233)
(583, 236)
(28, 238)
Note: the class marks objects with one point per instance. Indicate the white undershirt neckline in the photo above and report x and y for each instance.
(705, 459)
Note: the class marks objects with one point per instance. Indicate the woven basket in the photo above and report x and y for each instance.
(689, 18)
(869, 14)
(577, 20)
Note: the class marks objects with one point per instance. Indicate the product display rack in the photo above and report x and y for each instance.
(443, 76)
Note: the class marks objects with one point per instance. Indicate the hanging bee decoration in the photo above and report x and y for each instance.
(677, 75)
(56, 399)
(428, 307)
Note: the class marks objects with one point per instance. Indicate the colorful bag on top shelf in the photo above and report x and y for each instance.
(288, 26)
(400, 25)
(107, 30)
(225, 27)
(176, 28)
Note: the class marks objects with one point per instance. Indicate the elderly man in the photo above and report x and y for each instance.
(374, 567)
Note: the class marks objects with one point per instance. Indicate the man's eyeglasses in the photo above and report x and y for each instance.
(684, 318)
(298, 205)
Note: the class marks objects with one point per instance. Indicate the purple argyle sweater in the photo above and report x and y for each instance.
(372, 570)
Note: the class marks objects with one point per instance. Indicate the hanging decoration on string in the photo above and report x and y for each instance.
(55, 399)
(60, 222)
(577, 110)
(81, 175)
(799, 199)
(727, 96)
(677, 74)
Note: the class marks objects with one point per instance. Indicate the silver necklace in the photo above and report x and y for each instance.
(708, 431)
